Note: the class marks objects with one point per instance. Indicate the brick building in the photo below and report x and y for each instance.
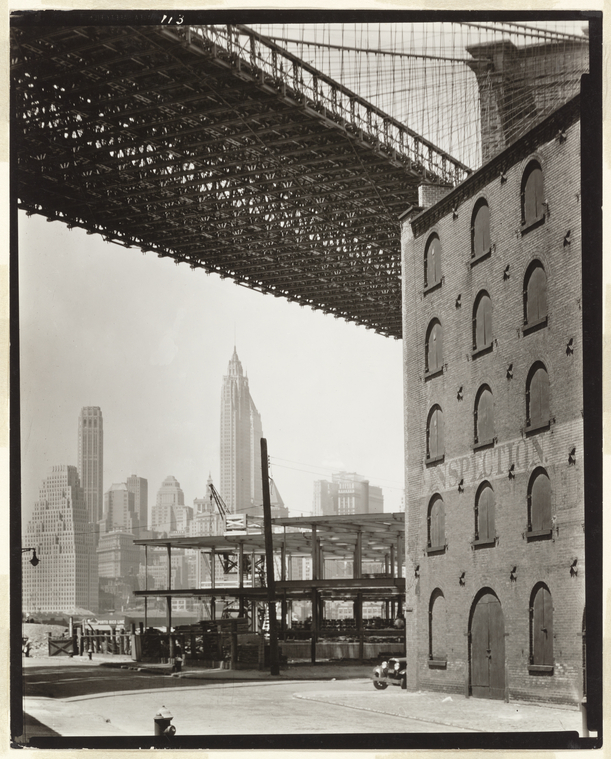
(494, 424)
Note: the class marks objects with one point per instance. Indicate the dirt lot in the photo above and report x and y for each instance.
(38, 635)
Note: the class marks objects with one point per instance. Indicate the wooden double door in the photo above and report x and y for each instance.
(487, 636)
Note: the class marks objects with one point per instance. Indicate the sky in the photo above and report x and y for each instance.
(149, 342)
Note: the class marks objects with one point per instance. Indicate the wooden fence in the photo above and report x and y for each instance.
(61, 646)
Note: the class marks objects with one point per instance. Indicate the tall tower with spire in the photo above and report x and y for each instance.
(241, 433)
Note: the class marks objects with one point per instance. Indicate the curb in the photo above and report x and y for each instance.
(232, 674)
(137, 668)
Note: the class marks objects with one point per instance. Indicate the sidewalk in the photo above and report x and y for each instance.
(459, 712)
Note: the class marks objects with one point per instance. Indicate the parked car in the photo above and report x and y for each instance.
(390, 672)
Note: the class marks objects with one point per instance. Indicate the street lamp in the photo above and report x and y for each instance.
(34, 561)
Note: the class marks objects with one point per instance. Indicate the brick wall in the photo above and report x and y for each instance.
(462, 571)
(429, 194)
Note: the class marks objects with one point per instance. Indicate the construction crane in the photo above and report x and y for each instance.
(230, 522)
(215, 498)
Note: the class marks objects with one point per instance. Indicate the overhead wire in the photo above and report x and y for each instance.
(318, 469)
(419, 72)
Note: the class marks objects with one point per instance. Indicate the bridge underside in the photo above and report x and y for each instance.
(183, 150)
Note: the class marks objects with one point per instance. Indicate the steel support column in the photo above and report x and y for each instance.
(146, 586)
(169, 604)
(314, 625)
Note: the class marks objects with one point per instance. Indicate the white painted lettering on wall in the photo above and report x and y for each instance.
(490, 464)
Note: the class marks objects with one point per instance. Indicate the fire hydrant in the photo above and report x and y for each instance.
(89, 652)
(163, 718)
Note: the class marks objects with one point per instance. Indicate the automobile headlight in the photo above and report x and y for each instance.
(397, 666)
(384, 665)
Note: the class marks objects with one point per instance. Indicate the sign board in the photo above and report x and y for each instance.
(235, 522)
(117, 621)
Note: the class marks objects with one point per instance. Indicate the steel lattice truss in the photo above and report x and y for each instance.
(219, 149)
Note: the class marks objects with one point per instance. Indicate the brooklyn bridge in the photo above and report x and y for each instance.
(246, 155)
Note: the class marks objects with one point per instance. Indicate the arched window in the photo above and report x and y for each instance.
(438, 646)
(535, 295)
(541, 629)
(539, 503)
(533, 199)
(436, 532)
(537, 397)
(484, 514)
(432, 262)
(482, 323)
(435, 447)
(484, 416)
(434, 348)
(480, 230)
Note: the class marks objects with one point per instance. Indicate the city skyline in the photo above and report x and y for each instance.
(155, 370)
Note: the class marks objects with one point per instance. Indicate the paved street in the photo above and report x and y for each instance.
(76, 698)
(87, 700)
(69, 682)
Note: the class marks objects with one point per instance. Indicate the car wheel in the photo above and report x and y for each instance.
(380, 685)
(404, 683)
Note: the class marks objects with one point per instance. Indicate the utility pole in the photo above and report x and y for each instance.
(269, 561)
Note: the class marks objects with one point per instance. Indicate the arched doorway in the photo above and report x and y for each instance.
(487, 647)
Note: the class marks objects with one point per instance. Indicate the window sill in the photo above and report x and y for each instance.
(438, 663)
(435, 460)
(531, 429)
(435, 550)
(531, 534)
(481, 351)
(482, 257)
(534, 326)
(485, 444)
(484, 543)
(429, 288)
(532, 225)
(541, 669)
(430, 375)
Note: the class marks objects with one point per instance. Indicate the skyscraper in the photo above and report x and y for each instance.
(118, 558)
(348, 493)
(139, 486)
(169, 512)
(119, 510)
(241, 434)
(66, 579)
(118, 568)
(91, 460)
